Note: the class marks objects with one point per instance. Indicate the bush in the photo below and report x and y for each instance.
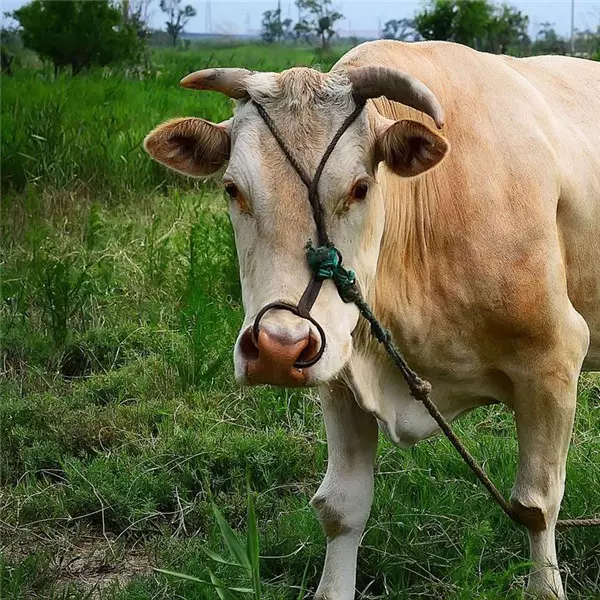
(77, 33)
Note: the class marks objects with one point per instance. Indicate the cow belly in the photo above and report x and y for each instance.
(579, 225)
(409, 422)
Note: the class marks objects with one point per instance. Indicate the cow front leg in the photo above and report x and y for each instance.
(539, 487)
(543, 442)
(343, 501)
(544, 413)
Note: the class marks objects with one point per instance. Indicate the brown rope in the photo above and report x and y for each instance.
(568, 523)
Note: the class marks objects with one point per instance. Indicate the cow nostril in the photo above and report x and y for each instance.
(248, 345)
(310, 350)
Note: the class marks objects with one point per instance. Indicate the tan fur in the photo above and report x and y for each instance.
(478, 216)
(299, 89)
(191, 146)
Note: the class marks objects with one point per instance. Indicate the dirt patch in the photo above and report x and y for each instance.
(91, 562)
(98, 564)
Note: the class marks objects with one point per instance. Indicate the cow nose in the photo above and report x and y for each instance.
(271, 358)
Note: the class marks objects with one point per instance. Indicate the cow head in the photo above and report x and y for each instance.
(270, 213)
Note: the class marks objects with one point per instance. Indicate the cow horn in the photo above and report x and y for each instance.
(375, 81)
(227, 81)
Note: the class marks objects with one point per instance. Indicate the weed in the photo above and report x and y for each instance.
(61, 285)
(243, 557)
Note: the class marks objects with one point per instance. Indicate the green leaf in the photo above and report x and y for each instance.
(181, 575)
(238, 552)
(304, 581)
(218, 558)
(216, 583)
(222, 590)
(253, 549)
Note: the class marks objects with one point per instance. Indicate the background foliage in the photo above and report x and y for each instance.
(77, 33)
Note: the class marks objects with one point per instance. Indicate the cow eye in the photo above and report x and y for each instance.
(360, 190)
(231, 189)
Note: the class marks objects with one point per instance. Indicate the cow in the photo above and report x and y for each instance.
(466, 198)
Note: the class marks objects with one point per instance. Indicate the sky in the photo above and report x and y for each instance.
(362, 18)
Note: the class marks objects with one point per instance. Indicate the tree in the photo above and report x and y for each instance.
(9, 40)
(7, 60)
(508, 28)
(136, 13)
(302, 30)
(436, 21)
(324, 18)
(548, 41)
(272, 27)
(475, 23)
(587, 42)
(178, 16)
(462, 21)
(286, 26)
(77, 33)
(400, 29)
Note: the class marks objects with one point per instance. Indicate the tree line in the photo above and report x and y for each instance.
(481, 24)
(501, 29)
(317, 19)
(78, 34)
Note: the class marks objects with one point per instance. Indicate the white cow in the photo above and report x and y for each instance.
(478, 246)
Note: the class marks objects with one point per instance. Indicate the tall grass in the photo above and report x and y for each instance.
(85, 133)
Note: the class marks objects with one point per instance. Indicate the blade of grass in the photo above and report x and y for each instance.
(216, 583)
(222, 590)
(253, 546)
(304, 581)
(218, 558)
(238, 552)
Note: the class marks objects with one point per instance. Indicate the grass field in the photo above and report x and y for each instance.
(120, 419)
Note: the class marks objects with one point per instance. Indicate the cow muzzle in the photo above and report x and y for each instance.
(281, 349)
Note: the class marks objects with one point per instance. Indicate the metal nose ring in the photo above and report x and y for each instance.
(299, 364)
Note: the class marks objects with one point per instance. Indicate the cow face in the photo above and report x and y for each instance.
(269, 208)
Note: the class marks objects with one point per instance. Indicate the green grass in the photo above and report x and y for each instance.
(120, 421)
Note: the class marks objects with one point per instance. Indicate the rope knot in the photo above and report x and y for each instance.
(323, 260)
(326, 263)
(420, 388)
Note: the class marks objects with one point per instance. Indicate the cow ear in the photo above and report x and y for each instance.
(191, 146)
(410, 148)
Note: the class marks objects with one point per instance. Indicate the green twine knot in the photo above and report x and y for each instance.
(326, 263)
